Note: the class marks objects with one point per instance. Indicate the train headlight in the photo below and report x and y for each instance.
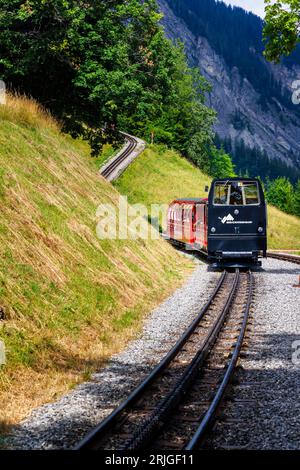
(213, 230)
(260, 229)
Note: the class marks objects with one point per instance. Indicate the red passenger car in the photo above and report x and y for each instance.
(187, 223)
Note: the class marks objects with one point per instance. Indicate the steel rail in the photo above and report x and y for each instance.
(210, 415)
(146, 432)
(117, 161)
(284, 257)
(93, 439)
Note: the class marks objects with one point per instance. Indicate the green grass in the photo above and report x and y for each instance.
(283, 230)
(70, 300)
(160, 175)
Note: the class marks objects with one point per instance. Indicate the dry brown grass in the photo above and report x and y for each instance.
(24, 111)
(25, 388)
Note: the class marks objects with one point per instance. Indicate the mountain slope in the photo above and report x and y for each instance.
(252, 97)
(67, 298)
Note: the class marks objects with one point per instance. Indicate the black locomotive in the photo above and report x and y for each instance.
(237, 221)
(230, 226)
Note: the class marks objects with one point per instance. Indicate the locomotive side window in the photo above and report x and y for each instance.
(236, 193)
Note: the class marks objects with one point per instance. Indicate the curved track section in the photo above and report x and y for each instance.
(118, 164)
(167, 410)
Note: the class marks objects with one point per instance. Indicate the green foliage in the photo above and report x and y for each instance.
(103, 65)
(296, 201)
(198, 153)
(183, 121)
(221, 165)
(281, 32)
(280, 193)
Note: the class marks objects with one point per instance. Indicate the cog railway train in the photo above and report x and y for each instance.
(230, 226)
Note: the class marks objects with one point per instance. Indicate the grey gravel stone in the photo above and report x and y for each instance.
(265, 411)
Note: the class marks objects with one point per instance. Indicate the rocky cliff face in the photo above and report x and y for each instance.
(271, 127)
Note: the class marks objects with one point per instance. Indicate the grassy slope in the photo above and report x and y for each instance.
(158, 176)
(68, 299)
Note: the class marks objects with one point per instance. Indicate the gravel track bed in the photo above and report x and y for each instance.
(62, 424)
(265, 409)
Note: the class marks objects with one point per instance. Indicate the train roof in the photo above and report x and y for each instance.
(236, 178)
(194, 200)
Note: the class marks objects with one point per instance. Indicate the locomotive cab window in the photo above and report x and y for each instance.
(236, 193)
(251, 194)
(221, 193)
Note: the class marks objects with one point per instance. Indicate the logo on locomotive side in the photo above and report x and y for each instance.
(227, 218)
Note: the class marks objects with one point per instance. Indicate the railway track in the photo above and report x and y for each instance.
(109, 170)
(176, 405)
(284, 257)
